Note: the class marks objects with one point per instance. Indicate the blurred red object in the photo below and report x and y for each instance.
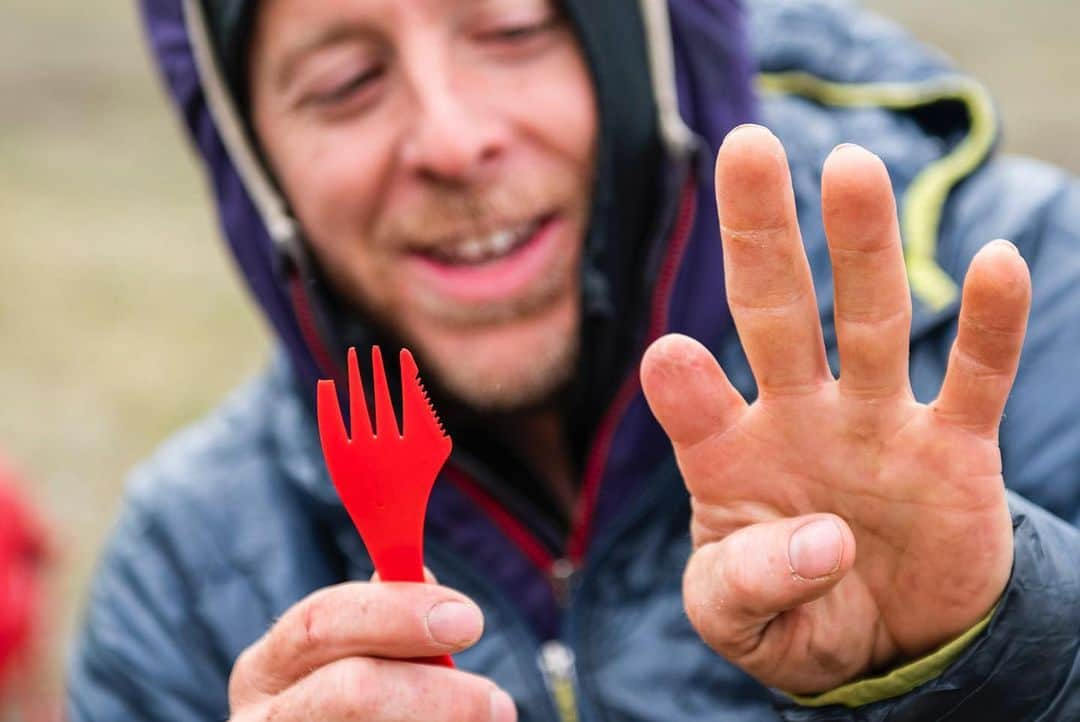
(22, 557)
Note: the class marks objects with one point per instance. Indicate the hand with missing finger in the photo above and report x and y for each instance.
(840, 527)
(343, 654)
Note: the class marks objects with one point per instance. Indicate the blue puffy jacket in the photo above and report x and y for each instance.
(235, 520)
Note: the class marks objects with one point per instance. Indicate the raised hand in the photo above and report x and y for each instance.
(840, 527)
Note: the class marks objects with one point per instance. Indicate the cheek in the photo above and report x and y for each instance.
(569, 123)
(333, 177)
(332, 180)
(574, 116)
(554, 103)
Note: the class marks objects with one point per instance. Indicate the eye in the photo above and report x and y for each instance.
(516, 33)
(342, 92)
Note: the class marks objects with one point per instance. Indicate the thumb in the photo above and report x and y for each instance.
(734, 587)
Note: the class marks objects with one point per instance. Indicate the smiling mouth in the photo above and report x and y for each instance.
(478, 250)
(512, 264)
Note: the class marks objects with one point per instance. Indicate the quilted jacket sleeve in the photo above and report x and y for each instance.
(139, 611)
(1025, 665)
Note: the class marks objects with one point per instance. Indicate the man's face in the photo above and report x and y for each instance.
(439, 155)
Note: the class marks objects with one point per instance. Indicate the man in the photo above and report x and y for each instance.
(522, 193)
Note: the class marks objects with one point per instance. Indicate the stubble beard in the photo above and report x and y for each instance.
(495, 382)
(532, 383)
(545, 363)
(485, 382)
(537, 371)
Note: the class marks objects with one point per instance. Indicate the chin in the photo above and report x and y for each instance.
(506, 367)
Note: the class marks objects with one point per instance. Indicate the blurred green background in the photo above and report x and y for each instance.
(120, 317)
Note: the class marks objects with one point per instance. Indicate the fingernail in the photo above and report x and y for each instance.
(814, 549)
(502, 707)
(454, 623)
(747, 127)
(842, 147)
(1007, 244)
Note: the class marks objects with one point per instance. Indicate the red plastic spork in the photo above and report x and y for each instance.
(385, 477)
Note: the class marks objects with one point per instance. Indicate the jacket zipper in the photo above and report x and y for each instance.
(556, 661)
(562, 574)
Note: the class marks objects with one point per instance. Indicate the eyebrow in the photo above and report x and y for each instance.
(328, 36)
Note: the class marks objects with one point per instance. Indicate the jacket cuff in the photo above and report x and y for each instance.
(1023, 665)
(901, 680)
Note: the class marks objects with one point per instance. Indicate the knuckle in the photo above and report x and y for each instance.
(481, 703)
(315, 621)
(356, 683)
(992, 326)
(697, 589)
(738, 583)
(714, 519)
(308, 633)
(278, 709)
(700, 533)
(767, 304)
(238, 676)
(273, 711)
(873, 320)
(755, 237)
(977, 363)
(831, 658)
(472, 702)
(246, 675)
(712, 612)
(705, 619)
(716, 584)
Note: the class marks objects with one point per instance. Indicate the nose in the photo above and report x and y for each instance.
(452, 140)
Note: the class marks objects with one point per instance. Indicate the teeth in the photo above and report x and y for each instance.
(501, 241)
(472, 250)
(478, 250)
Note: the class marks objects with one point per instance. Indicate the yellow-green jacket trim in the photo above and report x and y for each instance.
(924, 200)
(901, 680)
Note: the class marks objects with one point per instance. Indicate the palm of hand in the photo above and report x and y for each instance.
(928, 553)
(917, 489)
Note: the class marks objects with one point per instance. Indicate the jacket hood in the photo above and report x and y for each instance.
(632, 51)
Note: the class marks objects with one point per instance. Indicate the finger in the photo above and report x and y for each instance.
(398, 620)
(769, 287)
(734, 587)
(688, 392)
(993, 319)
(388, 691)
(873, 301)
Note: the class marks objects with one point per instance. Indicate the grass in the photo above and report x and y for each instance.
(120, 316)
